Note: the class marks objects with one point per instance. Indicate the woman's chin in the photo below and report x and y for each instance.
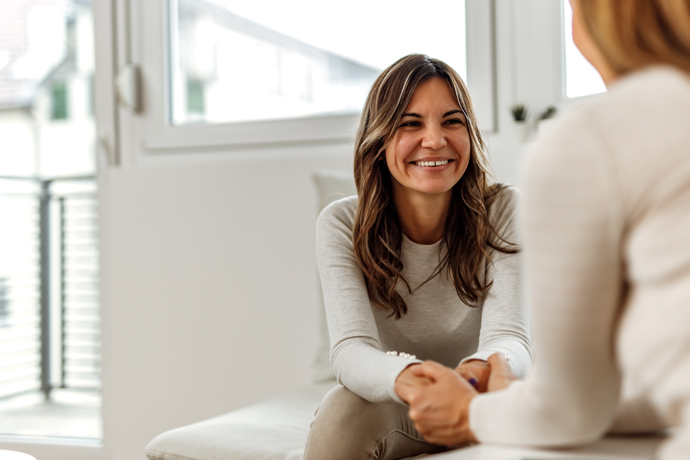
(433, 191)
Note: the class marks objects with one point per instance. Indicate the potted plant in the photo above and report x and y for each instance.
(520, 126)
(546, 116)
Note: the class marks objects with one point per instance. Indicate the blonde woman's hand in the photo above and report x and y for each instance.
(440, 409)
(476, 372)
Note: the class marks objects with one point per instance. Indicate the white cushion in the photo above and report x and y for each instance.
(270, 430)
(330, 186)
(333, 185)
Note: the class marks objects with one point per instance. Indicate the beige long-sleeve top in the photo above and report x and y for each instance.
(438, 324)
(607, 238)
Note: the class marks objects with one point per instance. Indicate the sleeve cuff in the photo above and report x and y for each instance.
(485, 414)
(481, 355)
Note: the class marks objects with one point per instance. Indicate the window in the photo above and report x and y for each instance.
(581, 78)
(289, 72)
(254, 62)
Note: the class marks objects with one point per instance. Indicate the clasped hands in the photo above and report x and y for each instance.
(439, 397)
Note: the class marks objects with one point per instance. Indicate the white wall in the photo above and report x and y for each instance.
(209, 288)
(18, 134)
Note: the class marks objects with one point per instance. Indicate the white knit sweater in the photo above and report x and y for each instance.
(607, 237)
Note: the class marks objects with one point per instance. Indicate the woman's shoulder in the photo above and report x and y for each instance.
(660, 93)
(633, 129)
(655, 84)
(503, 206)
(338, 214)
(503, 200)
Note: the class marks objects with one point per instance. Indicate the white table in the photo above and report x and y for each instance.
(610, 448)
(12, 455)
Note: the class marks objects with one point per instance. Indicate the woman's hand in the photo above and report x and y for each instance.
(476, 372)
(407, 378)
(501, 376)
(439, 409)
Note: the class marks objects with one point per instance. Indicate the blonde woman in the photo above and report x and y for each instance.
(423, 264)
(607, 238)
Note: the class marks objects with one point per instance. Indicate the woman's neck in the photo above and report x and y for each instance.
(422, 216)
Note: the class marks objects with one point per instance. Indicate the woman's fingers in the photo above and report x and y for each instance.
(408, 376)
(476, 372)
(470, 376)
(446, 438)
(501, 374)
(407, 383)
(439, 410)
(445, 434)
(431, 370)
(498, 361)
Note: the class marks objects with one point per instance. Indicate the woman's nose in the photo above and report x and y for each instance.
(434, 138)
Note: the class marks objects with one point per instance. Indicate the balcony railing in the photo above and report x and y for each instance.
(49, 307)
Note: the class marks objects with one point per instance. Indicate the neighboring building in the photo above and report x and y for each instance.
(47, 128)
(46, 95)
(228, 68)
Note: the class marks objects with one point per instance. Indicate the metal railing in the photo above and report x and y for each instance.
(49, 308)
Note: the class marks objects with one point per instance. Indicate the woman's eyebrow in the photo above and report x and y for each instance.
(447, 114)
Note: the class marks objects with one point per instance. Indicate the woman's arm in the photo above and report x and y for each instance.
(572, 239)
(358, 360)
(505, 313)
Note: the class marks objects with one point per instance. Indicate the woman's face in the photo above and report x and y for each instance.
(430, 150)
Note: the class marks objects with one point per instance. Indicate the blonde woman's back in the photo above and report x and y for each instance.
(607, 232)
(646, 122)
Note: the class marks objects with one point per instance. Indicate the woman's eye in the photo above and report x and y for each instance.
(453, 121)
(409, 123)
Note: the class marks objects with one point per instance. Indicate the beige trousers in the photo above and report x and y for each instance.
(347, 427)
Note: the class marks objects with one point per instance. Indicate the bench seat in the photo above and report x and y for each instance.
(275, 429)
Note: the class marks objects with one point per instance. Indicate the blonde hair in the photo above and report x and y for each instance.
(377, 236)
(632, 34)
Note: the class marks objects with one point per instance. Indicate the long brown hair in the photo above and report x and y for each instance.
(636, 33)
(377, 235)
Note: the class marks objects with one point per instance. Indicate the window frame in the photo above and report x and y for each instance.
(148, 48)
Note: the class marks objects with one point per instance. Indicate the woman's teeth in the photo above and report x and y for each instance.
(431, 163)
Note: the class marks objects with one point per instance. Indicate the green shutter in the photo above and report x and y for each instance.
(195, 96)
(59, 101)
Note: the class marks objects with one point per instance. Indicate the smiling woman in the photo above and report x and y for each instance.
(428, 154)
(423, 262)
(389, 202)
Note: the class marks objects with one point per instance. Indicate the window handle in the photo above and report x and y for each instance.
(128, 84)
(106, 148)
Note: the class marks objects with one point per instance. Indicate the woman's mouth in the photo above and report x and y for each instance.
(431, 163)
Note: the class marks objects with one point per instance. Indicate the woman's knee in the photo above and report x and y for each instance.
(347, 426)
